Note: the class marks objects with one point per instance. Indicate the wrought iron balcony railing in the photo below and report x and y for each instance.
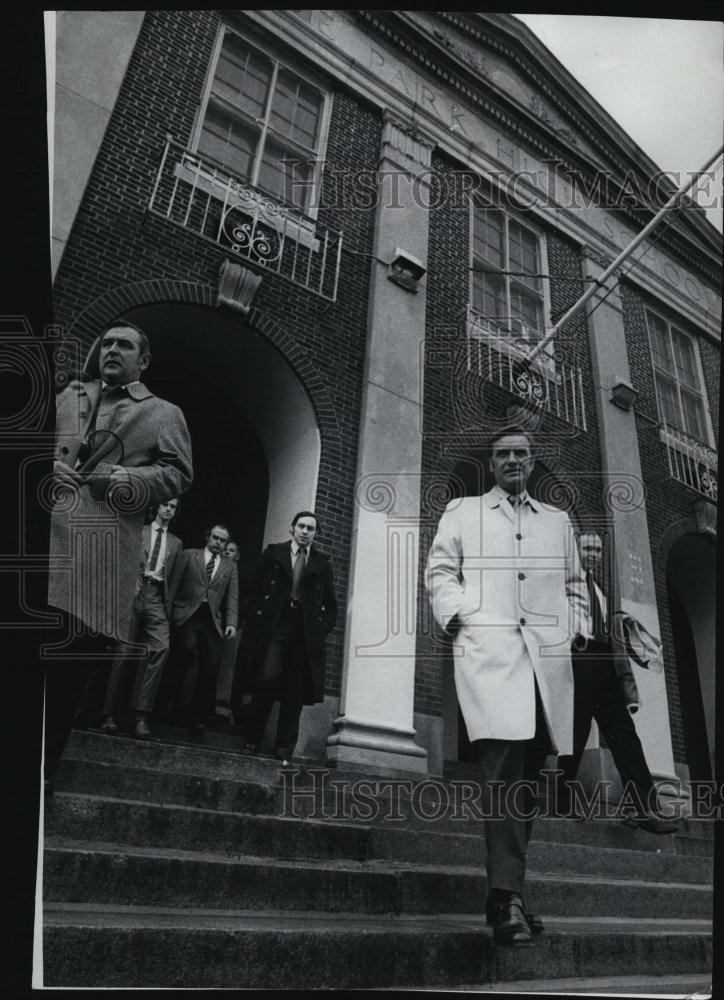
(691, 462)
(245, 221)
(549, 383)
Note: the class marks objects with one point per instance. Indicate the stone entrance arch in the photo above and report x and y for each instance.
(277, 390)
(245, 406)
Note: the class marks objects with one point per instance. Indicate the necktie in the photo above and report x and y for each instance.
(297, 574)
(514, 500)
(595, 605)
(156, 550)
(210, 569)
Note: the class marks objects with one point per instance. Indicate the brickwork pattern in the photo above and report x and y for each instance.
(118, 255)
(462, 407)
(669, 503)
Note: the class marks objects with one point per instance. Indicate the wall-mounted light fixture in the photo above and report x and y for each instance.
(406, 270)
(623, 394)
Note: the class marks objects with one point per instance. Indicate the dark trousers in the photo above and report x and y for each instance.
(150, 628)
(283, 677)
(598, 695)
(200, 644)
(507, 834)
(84, 656)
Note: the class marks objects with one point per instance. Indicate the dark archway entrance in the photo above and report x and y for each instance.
(255, 439)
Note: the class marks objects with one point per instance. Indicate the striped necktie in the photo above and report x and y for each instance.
(210, 569)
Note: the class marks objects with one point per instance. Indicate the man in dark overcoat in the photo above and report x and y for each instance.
(291, 608)
(119, 450)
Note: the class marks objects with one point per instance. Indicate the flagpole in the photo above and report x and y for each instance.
(626, 252)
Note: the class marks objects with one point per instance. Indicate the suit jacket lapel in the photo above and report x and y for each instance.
(147, 541)
(313, 562)
(282, 554)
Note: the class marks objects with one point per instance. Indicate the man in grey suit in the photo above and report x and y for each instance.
(151, 611)
(505, 580)
(205, 610)
(119, 450)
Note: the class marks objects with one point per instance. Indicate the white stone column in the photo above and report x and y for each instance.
(375, 727)
(624, 499)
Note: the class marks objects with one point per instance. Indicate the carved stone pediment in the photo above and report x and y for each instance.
(501, 73)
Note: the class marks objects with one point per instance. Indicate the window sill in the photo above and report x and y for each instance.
(692, 448)
(502, 341)
(235, 195)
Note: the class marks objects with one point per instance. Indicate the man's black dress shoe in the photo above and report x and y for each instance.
(510, 928)
(534, 921)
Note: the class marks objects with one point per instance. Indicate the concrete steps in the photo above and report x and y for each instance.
(177, 865)
(109, 945)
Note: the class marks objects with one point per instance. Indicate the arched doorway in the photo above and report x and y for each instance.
(254, 433)
(691, 586)
(471, 476)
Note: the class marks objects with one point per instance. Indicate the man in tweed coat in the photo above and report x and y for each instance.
(119, 450)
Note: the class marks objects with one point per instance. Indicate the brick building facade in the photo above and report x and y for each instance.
(313, 150)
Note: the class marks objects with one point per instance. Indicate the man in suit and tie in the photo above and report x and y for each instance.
(226, 680)
(204, 612)
(151, 611)
(291, 608)
(119, 450)
(505, 581)
(605, 690)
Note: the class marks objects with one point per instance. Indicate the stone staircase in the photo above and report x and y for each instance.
(167, 864)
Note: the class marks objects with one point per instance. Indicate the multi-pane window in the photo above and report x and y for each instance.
(507, 264)
(263, 122)
(679, 389)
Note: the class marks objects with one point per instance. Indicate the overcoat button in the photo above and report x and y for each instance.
(522, 621)
(521, 576)
(258, 612)
(519, 537)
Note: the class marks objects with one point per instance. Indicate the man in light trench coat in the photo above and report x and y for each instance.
(504, 579)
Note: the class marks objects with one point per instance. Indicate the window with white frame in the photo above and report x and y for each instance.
(679, 383)
(508, 293)
(263, 122)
